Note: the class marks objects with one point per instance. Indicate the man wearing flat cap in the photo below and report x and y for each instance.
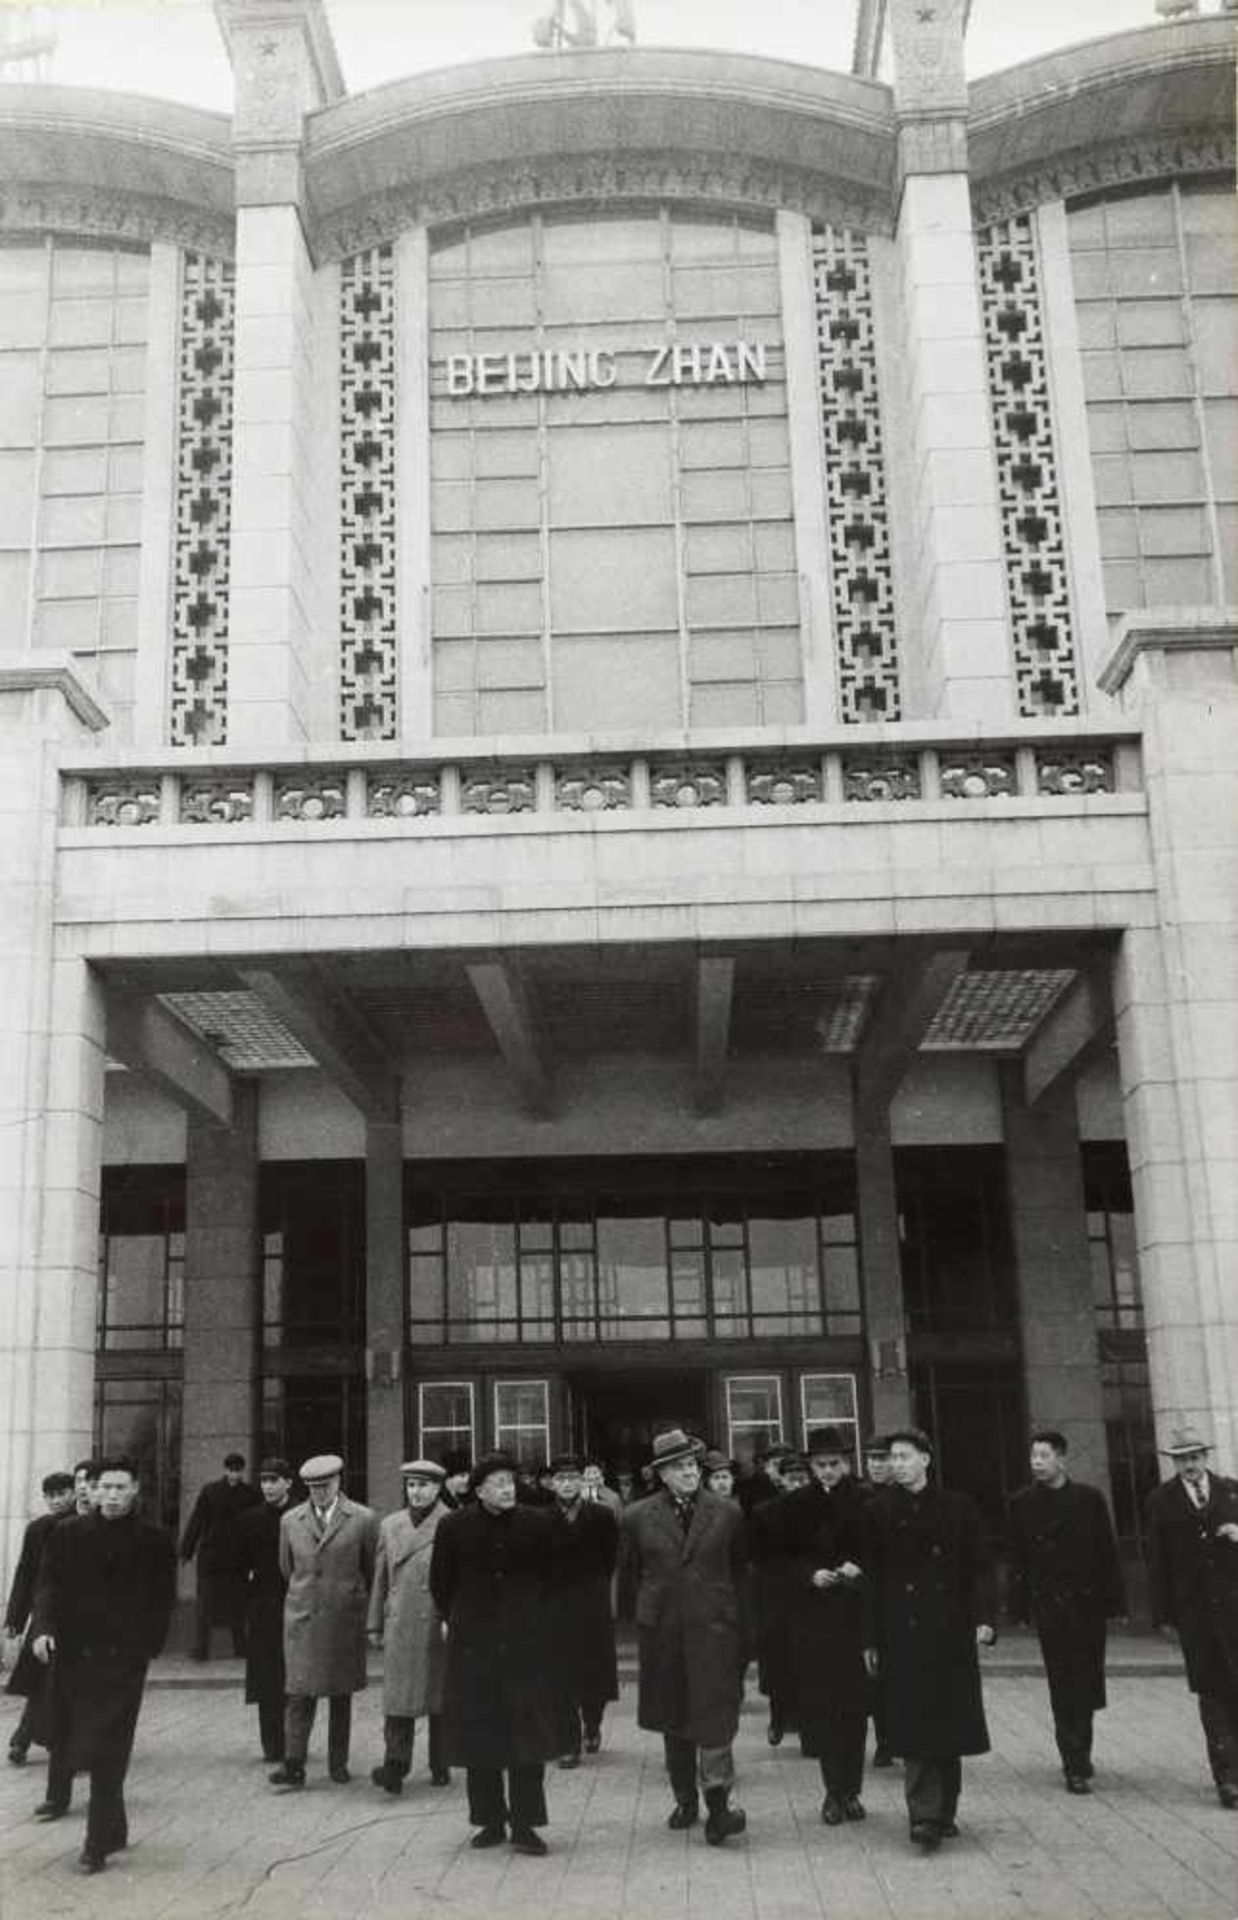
(265, 1587)
(490, 1576)
(686, 1548)
(1192, 1537)
(818, 1539)
(405, 1622)
(327, 1549)
(928, 1607)
(586, 1544)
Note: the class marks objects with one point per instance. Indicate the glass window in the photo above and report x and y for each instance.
(785, 1280)
(829, 1400)
(753, 1414)
(632, 1278)
(446, 1418)
(141, 1259)
(481, 1280)
(312, 1217)
(303, 1414)
(142, 1418)
(522, 1419)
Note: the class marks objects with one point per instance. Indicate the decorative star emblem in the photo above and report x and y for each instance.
(268, 47)
(925, 14)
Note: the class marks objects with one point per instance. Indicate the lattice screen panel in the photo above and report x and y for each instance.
(199, 673)
(1046, 672)
(859, 530)
(368, 708)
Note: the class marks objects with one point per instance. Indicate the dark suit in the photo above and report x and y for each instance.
(687, 1624)
(29, 1676)
(1066, 1577)
(265, 1587)
(584, 1632)
(212, 1533)
(1193, 1586)
(105, 1595)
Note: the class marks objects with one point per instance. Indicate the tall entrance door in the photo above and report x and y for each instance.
(615, 1415)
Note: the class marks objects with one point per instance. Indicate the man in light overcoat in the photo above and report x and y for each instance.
(405, 1622)
(327, 1549)
(686, 1549)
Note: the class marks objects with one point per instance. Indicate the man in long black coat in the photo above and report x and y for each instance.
(1193, 1587)
(265, 1588)
(29, 1676)
(1065, 1576)
(586, 1542)
(686, 1549)
(818, 1537)
(107, 1581)
(491, 1580)
(929, 1607)
(212, 1533)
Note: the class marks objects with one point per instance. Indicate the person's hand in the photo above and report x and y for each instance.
(374, 1636)
(849, 1571)
(871, 1662)
(43, 1648)
(825, 1577)
(1228, 1531)
(985, 1636)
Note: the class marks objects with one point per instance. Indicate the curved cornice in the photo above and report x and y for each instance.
(633, 121)
(1155, 100)
(77, 159)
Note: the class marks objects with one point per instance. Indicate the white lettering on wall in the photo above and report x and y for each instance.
(687, 363)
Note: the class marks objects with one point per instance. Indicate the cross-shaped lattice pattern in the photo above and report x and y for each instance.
(1046, 672)
(859, 530)
(199, 703)
(368, 709)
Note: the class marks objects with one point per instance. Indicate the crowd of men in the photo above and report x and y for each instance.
(493, 1594)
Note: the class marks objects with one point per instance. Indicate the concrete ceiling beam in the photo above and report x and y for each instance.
(1076, 1027)
(912, 993)
(145, 1037)
(300, 996)
(507, 1006)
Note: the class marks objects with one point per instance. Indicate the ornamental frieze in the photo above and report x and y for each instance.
(1090, 170)
(115, 216)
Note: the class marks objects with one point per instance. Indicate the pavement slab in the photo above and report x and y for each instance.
(212, 1841)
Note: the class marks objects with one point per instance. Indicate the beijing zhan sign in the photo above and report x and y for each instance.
(705, 363)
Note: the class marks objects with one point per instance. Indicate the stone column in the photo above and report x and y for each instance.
(384, 1310)
(284, 66)
(1176, 1003)
(966, 669)
(1048, 1223)
(51, 1105)
(221, 1293)
(881, 1273)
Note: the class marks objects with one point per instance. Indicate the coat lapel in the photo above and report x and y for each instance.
(342, 1510)
(702, 1520)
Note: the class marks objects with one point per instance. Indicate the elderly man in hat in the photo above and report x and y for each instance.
(1193, 1586)
(929, 1606)
(265, 1587)
(1065, 1576)
(327, 1549)
(586, 1544)
(406, 1623)
(490, 1575)
(818, 1537)
(687, 1551)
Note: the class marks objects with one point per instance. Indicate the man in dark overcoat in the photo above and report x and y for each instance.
(491, 1580)
(265, 1588)
(28, 1679)
(817, 1536)
(211, 1533)
(686, 1548)
(929, 1606)
(876, 1477)
(785, 1472)
(1193, 1588)
(1065, 1575)
(327, 1548)
(106, 1585)
(586, 1544)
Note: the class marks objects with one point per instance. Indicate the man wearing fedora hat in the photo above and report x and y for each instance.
(1192, 1536)
(327, 1549)
(405, 1622)
(586, 1543)
(687, 1553)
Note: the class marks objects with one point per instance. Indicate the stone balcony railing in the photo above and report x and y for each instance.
(871, 766)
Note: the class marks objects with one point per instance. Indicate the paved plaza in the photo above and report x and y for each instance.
(212, 1840)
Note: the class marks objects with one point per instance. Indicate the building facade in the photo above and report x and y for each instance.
(619, 756)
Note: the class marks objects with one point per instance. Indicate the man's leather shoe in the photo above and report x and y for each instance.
(387, 1777)
(592, 1742)
(722, 1822)
(525, 1840)
(91, 1860)
(440, 1776)
(832, 1814)
(489, 1837)
(17, 1755)
(925, 1835)
(853, 1807)
(289, 1774)
(1075, 1783)
(1227, 1793)
(883, 1757)
(685, 1813)
(51, 1810)
(568, 1760)
(774, 1732)
(948, 1830)
(340, 1774)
